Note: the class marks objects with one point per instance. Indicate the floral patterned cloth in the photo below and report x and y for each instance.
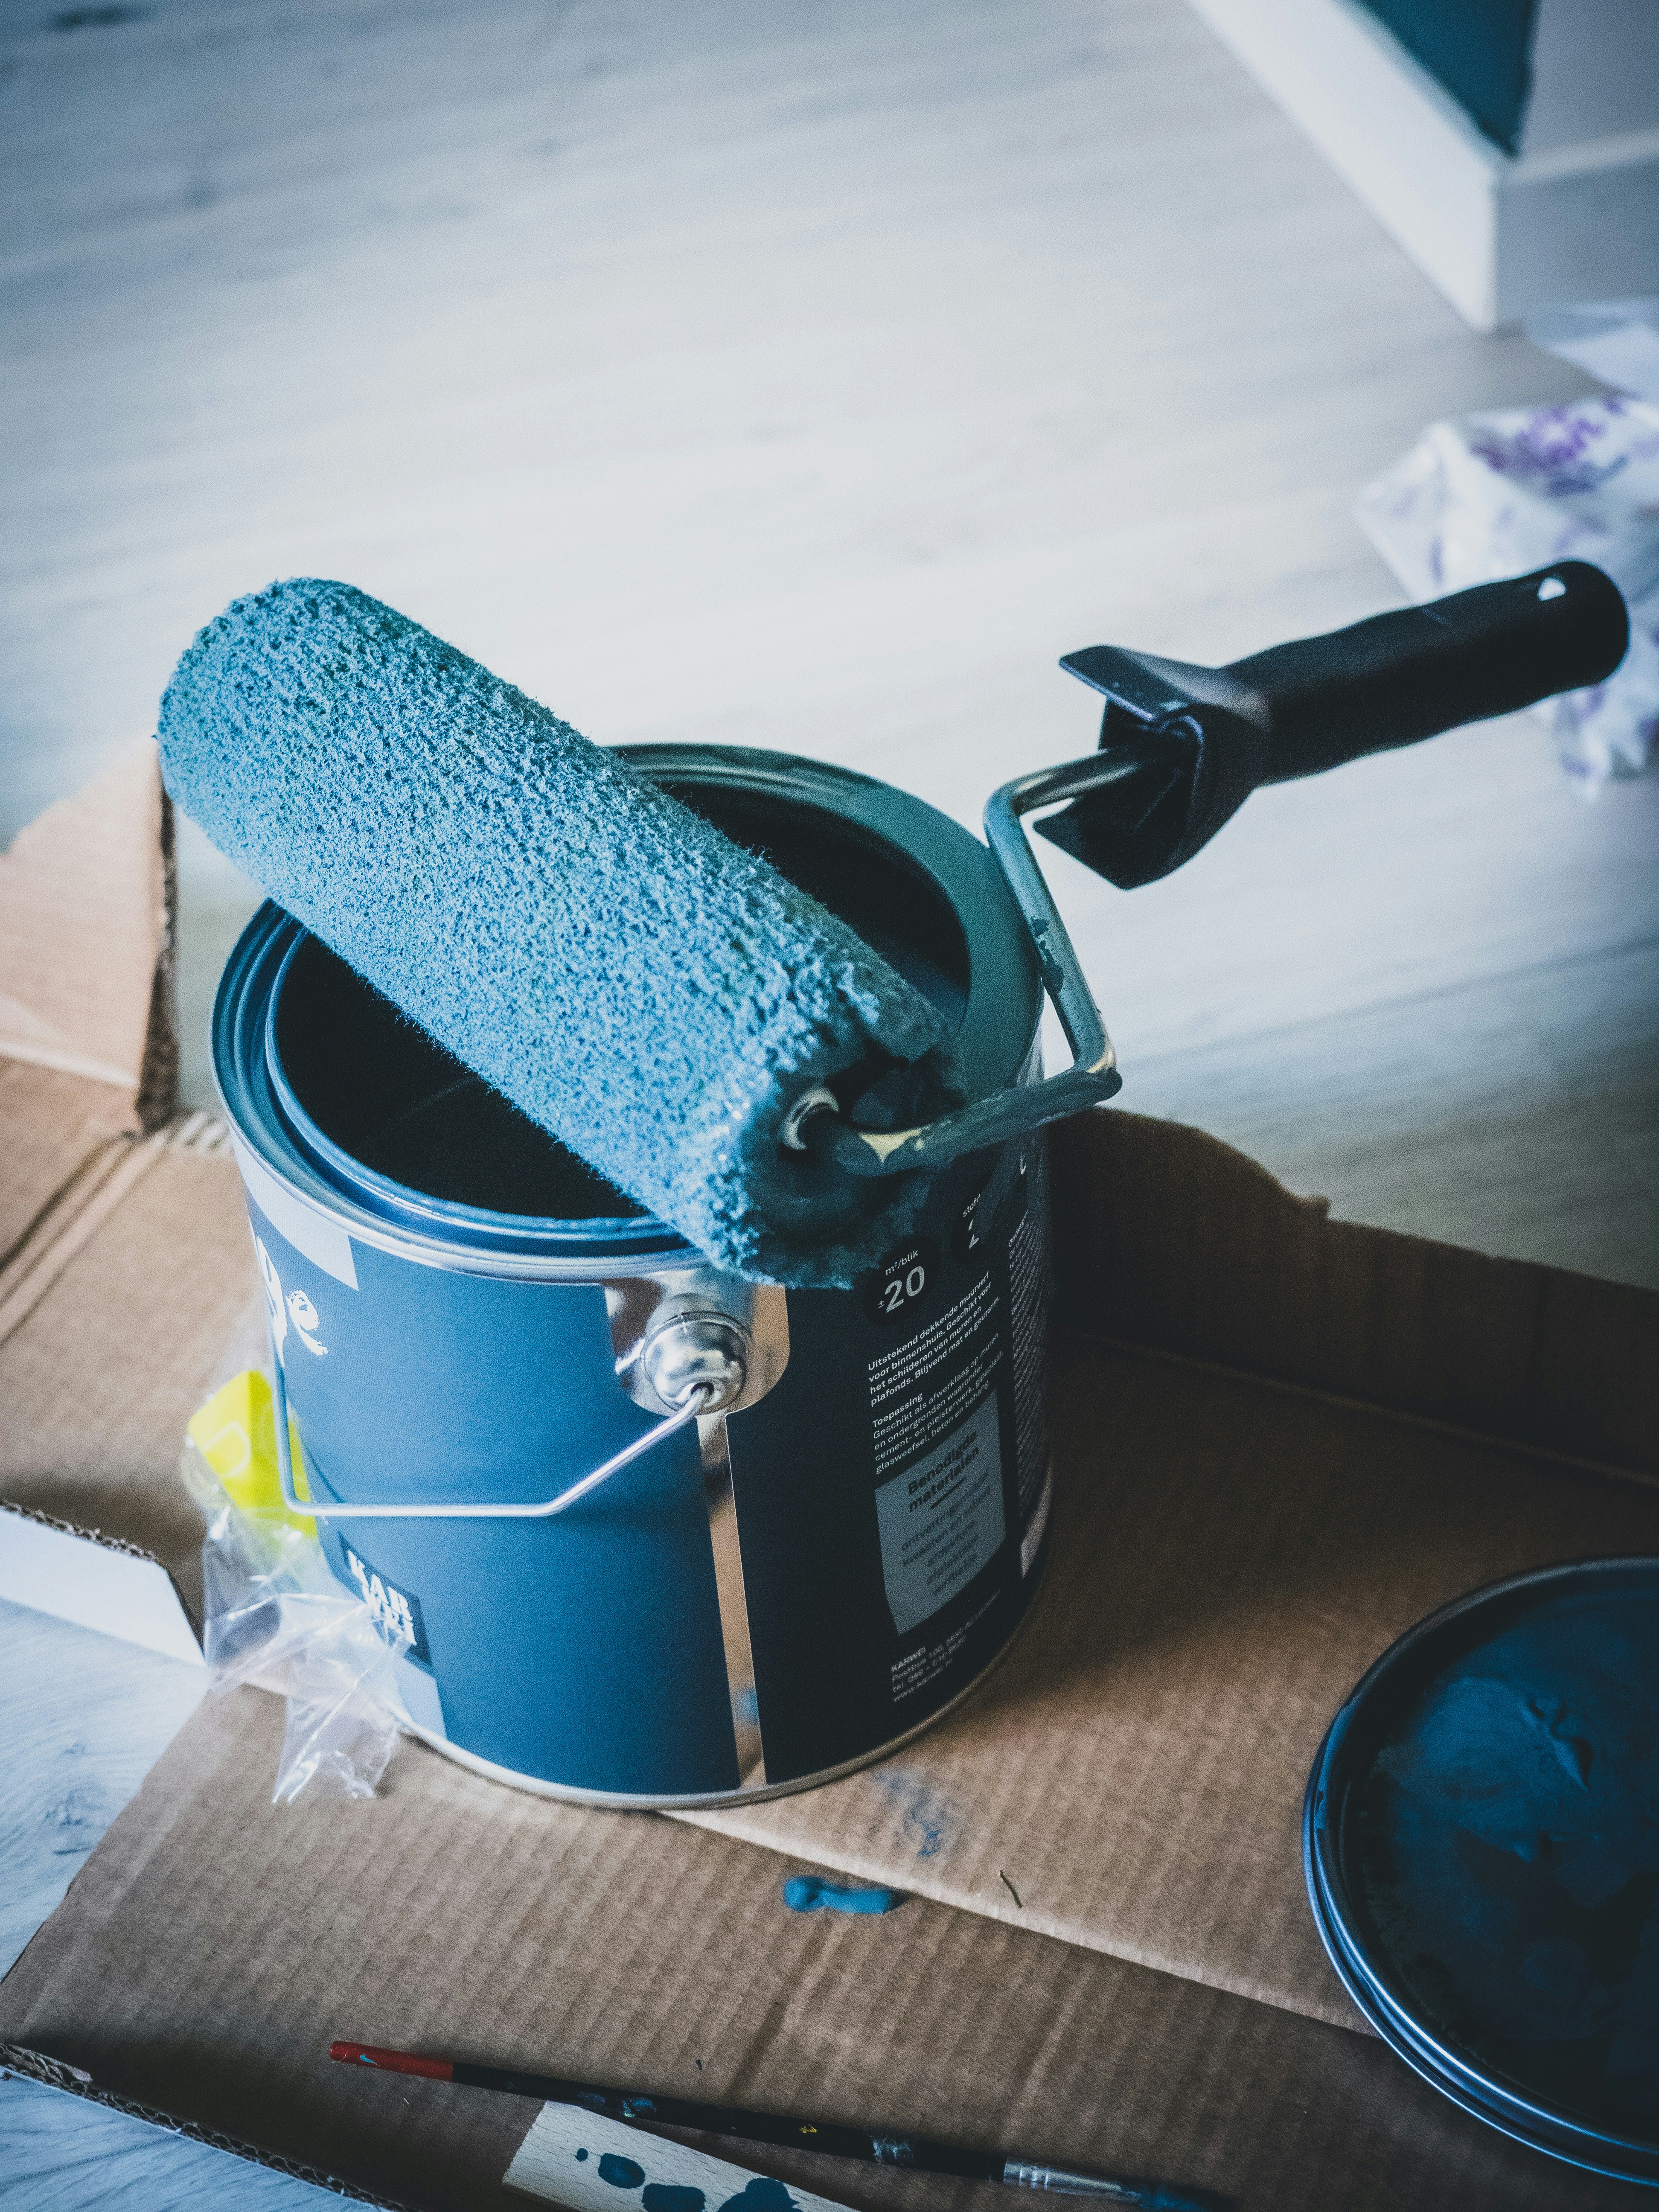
(1495, 495)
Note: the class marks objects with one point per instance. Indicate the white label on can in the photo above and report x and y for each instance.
(308, 1230)
(941, 1520)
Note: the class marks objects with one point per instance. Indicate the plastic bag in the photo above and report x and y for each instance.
(1496, 494)
(275, 1615)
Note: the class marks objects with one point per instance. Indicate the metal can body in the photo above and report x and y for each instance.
(771, 1595)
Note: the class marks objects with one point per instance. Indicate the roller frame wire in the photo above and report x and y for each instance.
(1093, 1075)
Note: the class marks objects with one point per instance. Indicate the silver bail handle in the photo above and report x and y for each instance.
(815, 1122)
(696, 1364)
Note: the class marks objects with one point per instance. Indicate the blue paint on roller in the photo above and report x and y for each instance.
(620, 2172)
(805, 1892)
(580, 2155)
(653, 995)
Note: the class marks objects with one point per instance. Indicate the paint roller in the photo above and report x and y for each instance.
(661, 1000)
(717, 1043)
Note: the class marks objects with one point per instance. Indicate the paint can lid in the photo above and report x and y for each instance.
(1481, 1847)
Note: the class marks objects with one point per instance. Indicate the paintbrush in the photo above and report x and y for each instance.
(915, 2152)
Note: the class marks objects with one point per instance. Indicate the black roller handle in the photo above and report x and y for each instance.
(1209, 736)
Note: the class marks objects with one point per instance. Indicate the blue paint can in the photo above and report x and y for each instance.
(1481, 1847)
(468, 1323)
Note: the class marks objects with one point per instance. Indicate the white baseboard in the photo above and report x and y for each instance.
(1500, 237)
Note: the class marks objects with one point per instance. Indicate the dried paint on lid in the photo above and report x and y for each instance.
(1483, 1856)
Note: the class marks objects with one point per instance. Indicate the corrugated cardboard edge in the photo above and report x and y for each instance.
(86, 1535)
(36, 2066)
(63, 1572)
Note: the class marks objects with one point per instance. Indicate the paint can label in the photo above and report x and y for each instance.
(395, 1613)
(941, 1521)
(891, 1491)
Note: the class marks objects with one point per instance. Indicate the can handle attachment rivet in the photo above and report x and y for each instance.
(694, 1353)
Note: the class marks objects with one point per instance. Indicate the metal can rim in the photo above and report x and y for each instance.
(444, 1234)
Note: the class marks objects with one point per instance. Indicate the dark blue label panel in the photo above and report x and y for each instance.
(396, 1613)
(890, 1490)
(585, 1650)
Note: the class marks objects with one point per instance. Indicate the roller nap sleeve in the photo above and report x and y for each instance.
(651, 993)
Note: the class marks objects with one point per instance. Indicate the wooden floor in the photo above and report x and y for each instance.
(82, 1718)
(813, 377)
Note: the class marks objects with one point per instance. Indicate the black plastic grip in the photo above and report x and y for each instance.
(1402, 677)
(1186, 745)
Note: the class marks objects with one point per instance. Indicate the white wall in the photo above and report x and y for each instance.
(1595, 74)
(1575, 217)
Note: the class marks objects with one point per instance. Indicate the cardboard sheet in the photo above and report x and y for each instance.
(112, 1338)
(215, 1945)
(1170, 1239)
(1280, 1440)
(1228, 1559)
(59, 1129)
(1228, 1555)
(86, 938)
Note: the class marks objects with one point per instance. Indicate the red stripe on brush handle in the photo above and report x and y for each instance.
(393, 2062)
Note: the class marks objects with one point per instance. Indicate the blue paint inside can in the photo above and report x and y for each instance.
(1483, 1856)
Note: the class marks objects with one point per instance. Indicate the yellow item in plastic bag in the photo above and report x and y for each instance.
(235, 1432)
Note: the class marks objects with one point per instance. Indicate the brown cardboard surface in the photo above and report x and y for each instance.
(1279, 1441)
(1229, 1556)
(58, 1129)
(215, 1945)
(86, 938)
(1227, 1559)
(1169, 1238)
(88, 1055)
(110, 1341)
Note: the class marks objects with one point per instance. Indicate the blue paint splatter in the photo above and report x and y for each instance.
(664, 2197)
(620, 2172)
(926, 1815)
(762, 2196)
(804, 1893)
(580, 2155)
